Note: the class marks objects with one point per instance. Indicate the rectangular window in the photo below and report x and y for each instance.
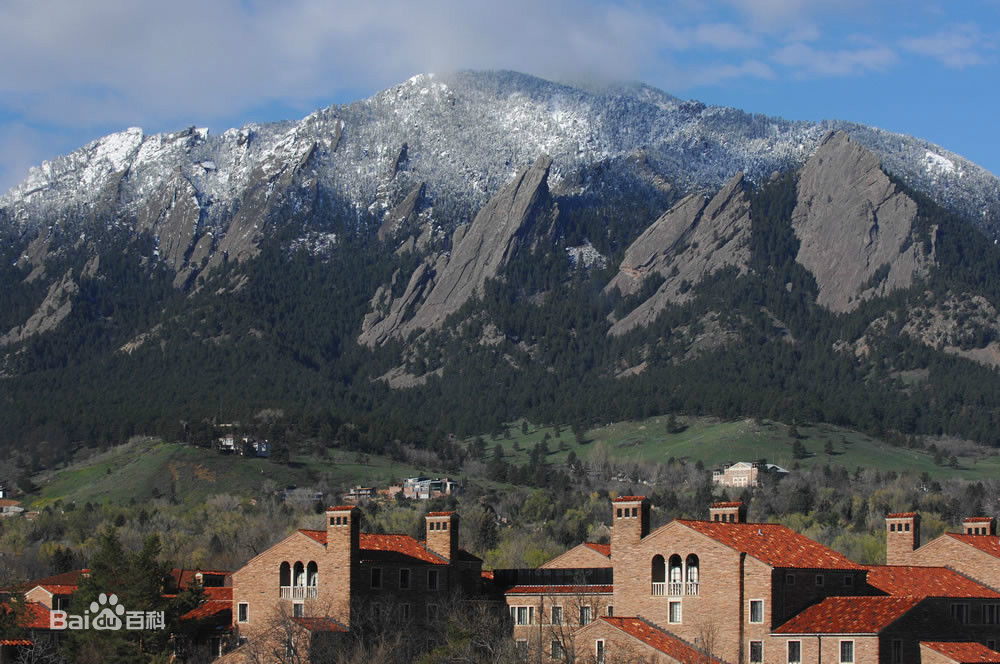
(298, 610)
(556, 651)
(848, 580)
(756, 610)
(376, 577)
(897, 652)
(756, 652)
(794, 652)
(611, 611)
(557, 615)
(404, 579)
(960, 612)
(584, 615)
(523, 615)
(991, 614)
(432, 579)
(243, 612)
(790, 579)
(404, 611)
(847, 652)
(820, 580)
(521, 645)
(599, 651)
(674, 612)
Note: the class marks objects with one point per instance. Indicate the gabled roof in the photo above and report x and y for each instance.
(603, 549)
(57, 590)
(65, 579)
(987, 543)
(659, 639)
(773, 544)
(319, 624)
(913, 581)
(965, 652)
(393, 548)
(36, 616)
(15, 642)
(561, 590)
(183, 578)
(217, 601)
(849, 615)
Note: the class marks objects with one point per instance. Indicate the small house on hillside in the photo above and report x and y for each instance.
(746, 473)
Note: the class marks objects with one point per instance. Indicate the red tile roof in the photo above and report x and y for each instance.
(58, 590)
(987, 543)
(733, 503)
(15, 642)
(964, 652)
(320, 624)
(486, 574)
(912, 581)
(659, 639)
(388, 547)
(341, 508)
(183, 578)
(561, 590)
(7, 502)
(849, 615)
(64, 579)
(900, 515)
(603, 549)
(440, 513)
(217, 601)
(978, 519)
(773, 544)
(629, 499)
(36, 616)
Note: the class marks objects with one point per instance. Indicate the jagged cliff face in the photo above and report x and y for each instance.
(694, 239)
(856, 229)
(443, 283)
(411, 166)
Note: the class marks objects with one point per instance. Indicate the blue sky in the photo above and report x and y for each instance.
(72, 71)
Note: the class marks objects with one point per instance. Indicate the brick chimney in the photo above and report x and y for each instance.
(631, 524)
(728, 512)
(343, 530)
(979, 525)
(442, 533)
(902, 537)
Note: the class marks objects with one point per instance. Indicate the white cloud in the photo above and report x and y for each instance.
(805, 61)
(958, 47)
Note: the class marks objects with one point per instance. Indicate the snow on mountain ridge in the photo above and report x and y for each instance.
(466, 134)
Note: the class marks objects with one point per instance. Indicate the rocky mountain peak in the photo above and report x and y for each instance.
(696, 237)
(443, 283)
(855, 227)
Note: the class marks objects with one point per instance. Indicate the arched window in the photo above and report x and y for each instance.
(312, 572)
(659, 575)
(299, 574)
(676, 576)
(285, 574)
(691, 575)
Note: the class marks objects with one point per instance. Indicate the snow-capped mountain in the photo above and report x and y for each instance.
(464, 135)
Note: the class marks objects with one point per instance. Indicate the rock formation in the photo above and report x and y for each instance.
(690, 241)
(855, 227)
(440, 285)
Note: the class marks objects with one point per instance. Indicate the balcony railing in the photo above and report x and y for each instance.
(675, 588)
(299, 592)
(659, 588)
(691, 588)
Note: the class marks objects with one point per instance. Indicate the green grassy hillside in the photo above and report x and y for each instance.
(716, 442)
(150, 468)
